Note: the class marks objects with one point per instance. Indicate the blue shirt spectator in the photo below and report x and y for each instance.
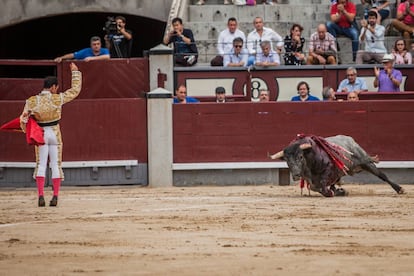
(352, 83)
(95, 52)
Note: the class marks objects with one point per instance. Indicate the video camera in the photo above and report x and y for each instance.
(110, 26)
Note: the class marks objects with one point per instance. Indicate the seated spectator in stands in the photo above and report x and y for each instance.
(264, 95)
(269, 2)
(185, 49)
(328, 94)
(294, 43)
(352, 83)
(401, 53)
(373, 36)
(267, 57)
(95, 52)
(181, 96)
(304, 93)
(225, 41)
(389, 78)
(220, 94)
(261, 33)
(238, 55)
(380, 7)
(322, 47)
(342, 23)
(202, 2)
(352, 97)
(405, 21)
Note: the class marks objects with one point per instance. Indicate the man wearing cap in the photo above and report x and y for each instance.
(389, 78)
(220, 95)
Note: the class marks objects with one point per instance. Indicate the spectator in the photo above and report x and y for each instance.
(119, 43)
(220, 94)
(352, 83)
(389, 78)
(328, 94)
(405, 21)
(267, 57)
(95, 52)
(238, 55)
(401, 53)
(269, 2)
(342, 23)
(322, 48)
(294, 46)
(352, 97)
(185, 49)
(46, 109)
(202, 2)
(304, 93)
(260, 34)
(225, 41)
(372, 34)
(380, 7)
(264, 95)
(181, 96)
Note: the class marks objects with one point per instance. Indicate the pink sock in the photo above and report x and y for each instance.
(40, 182)
(56, 186)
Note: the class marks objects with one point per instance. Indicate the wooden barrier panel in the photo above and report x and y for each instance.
(246, 132)
(103, 129)
(116, 78)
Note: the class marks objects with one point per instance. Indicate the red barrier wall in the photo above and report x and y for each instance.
(117, 78)
(105, 129)
(332, 75)
(246, 132)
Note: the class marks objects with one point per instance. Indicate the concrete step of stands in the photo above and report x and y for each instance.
(207, 21)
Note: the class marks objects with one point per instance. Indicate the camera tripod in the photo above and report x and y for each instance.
(116, 47)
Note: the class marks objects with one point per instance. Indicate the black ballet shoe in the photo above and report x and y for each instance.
(54, 201)
(41, 202)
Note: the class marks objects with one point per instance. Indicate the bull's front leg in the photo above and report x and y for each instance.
(326, 190)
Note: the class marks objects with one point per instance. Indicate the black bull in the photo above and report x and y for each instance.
(307, 160)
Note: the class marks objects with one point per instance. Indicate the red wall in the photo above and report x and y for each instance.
(244, 131)
(332, 75)
(117, 78)
(105, 129)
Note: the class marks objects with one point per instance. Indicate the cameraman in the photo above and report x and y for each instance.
(119, 42)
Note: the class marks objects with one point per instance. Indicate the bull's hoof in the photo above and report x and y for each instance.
(401, 191)
(341, 192)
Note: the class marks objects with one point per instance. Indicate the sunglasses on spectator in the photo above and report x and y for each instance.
(238, 46)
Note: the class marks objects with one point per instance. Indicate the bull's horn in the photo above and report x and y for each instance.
(276, 155)
(305, 146)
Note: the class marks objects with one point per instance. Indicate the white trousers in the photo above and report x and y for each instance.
(52, 150)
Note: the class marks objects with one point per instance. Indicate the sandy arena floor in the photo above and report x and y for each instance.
(250, 230)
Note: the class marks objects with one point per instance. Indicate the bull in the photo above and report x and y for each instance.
(323, 161)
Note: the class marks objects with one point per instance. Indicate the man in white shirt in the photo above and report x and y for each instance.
(260, 34)
(373, 35)
(225, 41)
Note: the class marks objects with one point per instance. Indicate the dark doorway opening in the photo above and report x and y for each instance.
(49, 37)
